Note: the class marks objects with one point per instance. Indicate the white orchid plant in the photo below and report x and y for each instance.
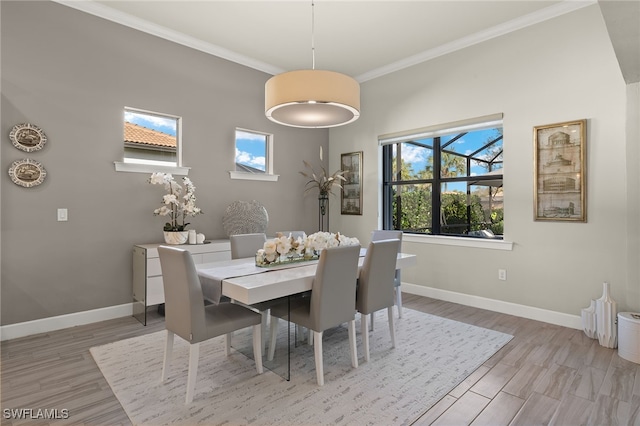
(286, 249)
(175, 204)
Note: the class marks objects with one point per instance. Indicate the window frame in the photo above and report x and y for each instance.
(136, 167)
(268, 174)
(387, 183)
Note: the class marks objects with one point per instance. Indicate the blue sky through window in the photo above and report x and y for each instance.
(166, 125)
(418, 157)
(251, 149)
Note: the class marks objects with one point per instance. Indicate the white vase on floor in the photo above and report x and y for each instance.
(177, 237)
(606, 315)
(589, 320)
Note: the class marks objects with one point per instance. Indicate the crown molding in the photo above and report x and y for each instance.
(542, 15)
(108, 13)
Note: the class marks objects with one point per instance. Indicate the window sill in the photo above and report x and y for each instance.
(484, 243)
(252, 176)
(148, 168)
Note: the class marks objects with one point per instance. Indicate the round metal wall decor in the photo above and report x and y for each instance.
(27, 137)
(27, 173)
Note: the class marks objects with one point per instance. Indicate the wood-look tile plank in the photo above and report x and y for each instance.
(537, 410)
(618, 383)
(492, 382)
(587, 382)
(463, 411)
(610, 411)
(500, 411)
(525, 380)
(573, 411)
(435, 411)
(557, 381)
(466, 384)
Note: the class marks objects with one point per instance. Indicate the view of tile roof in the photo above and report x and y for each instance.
(142, 135)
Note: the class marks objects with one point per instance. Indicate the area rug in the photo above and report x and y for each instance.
(431, 357)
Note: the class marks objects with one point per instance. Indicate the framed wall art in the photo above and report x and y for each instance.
(27, 137)
(560, 169)
(351, 198)
(27, 173)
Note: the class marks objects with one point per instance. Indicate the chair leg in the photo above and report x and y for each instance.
(399, 301)
(258, 347)
(168, 354)
(194, 355)
(365, 335)
(317, 336)
(227, 342)
(263, 333)
(392, 329)
(373, 315)
(274, 335)
(310, 337)
(352, 343)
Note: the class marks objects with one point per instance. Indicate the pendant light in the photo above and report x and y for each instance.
(312, 98)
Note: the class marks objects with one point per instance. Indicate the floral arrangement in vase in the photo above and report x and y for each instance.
(178, 204)
(286, 249)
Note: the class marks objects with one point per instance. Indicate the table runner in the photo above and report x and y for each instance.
(211, 278)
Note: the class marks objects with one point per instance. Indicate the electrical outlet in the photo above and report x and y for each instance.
(502, 274)
(63, 215)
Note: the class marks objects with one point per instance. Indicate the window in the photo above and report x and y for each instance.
(253, 156)
(151, 138)
(152, 142)
(445, 180)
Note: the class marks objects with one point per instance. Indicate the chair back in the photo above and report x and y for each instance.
(246, 245)
(380, 234)
(375, 284)
(333, 294)
(183, 299)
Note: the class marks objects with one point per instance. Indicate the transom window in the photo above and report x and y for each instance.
(446, 180)
(252, 151)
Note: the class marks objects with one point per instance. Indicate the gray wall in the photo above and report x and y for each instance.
(71, 74)
(559, 70)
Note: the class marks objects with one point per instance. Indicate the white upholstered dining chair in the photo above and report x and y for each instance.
(246, 245)
(378, 235)
(375, 288)
(332, 302)
(187, 316)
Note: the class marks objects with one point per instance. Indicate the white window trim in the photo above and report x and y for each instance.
(253, 176)
(444, 240)
(268, 176)
(149, 168)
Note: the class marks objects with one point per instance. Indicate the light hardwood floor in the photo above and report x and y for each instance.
(546, 375)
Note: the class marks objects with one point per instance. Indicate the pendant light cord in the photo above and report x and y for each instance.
(313, 47)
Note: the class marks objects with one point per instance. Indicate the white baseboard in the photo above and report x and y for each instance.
(45, 325)
(551, 317)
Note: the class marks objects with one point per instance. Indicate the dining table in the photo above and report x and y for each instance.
(241, 280)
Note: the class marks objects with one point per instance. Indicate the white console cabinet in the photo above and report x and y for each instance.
(147, 275)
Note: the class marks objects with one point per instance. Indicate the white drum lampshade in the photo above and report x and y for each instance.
(312, 99)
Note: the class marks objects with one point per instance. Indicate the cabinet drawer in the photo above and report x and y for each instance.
(155, 291)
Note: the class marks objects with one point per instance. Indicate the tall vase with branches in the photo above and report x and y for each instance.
(325, 184)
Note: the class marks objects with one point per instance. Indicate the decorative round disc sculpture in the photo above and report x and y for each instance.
(245, 217)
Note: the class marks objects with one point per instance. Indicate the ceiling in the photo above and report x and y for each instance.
(364, 39)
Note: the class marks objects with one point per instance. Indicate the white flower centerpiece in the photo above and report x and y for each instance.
(286, 249)
(176, 205)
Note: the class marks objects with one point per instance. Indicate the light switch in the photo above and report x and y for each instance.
(62, 215)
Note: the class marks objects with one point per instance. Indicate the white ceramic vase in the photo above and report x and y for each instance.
(177, 237)
(606, 314)
(589, 320)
